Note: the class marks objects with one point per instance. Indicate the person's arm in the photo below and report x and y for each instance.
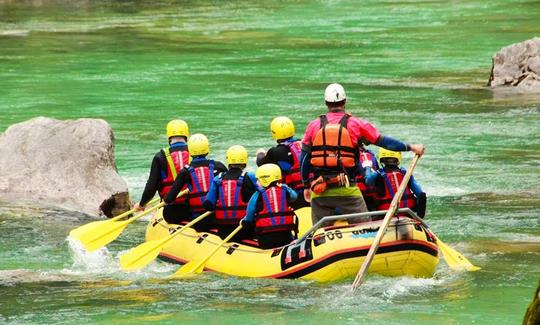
(219, 167)
(177, 186)
(291, 193)
(264, 157)
(251, 208)
(415, 186)
(421, 199)
(211, 197)
(305, 166)
(249, 186)
(390, 143)
(152, 184)
(370, 176)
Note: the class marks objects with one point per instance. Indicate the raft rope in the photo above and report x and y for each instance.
(314, 234)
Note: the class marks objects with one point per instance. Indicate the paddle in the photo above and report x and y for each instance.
(454, 259)
(77, 232)
(138, 257)
(382, 230)
(104, 232)
(195, 267)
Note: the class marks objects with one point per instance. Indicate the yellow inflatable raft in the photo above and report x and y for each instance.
(327, 254)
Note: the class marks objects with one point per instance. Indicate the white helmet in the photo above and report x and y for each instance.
(334, 93)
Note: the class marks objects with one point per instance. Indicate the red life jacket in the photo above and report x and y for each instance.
(229, 207)
(176, 160)
(201, 178)
(292, 177)
(333, 147)
(367, 191)
(392, 180)
(276, 214)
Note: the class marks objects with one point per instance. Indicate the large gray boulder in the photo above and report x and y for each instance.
(518, 66)
(63, 163)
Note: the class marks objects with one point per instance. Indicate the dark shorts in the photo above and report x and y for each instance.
(335, 205)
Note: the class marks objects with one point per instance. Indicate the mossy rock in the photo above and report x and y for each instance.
(532, 317)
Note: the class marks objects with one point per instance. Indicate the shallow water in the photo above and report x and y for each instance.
(416, 69)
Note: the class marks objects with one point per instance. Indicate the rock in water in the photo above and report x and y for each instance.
(532, 317)
(64, 163)
(517, 65)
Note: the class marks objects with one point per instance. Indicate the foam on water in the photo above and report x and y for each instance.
(102, 263)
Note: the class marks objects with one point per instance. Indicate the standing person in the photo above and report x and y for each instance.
(229, 193)
(197, 177)
(167, 163)
(387, 181)
(330, 151)
(286, 154)
(367, 163)
(269, 209)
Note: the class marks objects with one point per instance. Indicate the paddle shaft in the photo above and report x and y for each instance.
(382, 230)
(147, 211)
(186, 226)
(125, 214)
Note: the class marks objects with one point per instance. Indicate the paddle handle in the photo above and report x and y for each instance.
(360, 276)
(154, 208)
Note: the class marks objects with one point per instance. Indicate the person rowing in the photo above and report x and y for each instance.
(330, 151)
(166, 165)
(269, 210)
(229, 193)
(286, 154)
(387, 180)
(197, 177)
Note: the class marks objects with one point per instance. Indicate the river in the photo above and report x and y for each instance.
(416, 69)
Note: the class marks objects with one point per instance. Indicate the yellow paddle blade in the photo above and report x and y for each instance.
(189, 270)
(145, 253)
(89, 227)
(140, 256)
(102, 234)
(454, 259)
(304, 220)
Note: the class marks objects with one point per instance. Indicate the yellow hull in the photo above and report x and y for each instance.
(332, 254)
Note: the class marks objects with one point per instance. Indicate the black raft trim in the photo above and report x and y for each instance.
(357, 253)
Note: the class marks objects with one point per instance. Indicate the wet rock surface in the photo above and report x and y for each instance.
(68, 163)
(517, 66)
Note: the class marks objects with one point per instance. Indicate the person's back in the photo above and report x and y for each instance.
(197, 177)
(286, 154)
(367, 159)
(387, 181)
(330, 152)
(166, 165)
(269, 209)
(229, 193)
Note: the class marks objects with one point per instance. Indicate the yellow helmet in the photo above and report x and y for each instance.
(282, 128)
(385, 153)
(268, 173)
(237, 155)
(177, 128)
(198, 145)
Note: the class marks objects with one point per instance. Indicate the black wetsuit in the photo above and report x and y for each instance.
(184, 178)
(158, 172)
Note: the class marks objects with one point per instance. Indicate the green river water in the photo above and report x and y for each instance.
(416, 69)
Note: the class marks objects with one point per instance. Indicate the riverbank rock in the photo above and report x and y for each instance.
(518, 66)
(63, 163)
(532, 317)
